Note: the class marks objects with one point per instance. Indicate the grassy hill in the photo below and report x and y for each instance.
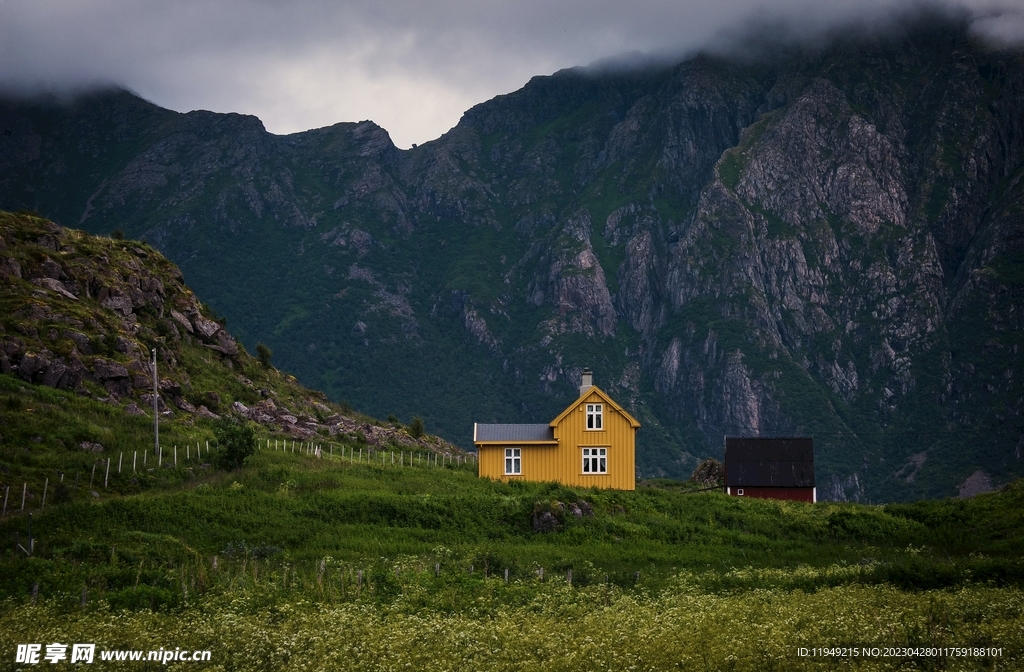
(387, 551)
(79, 316)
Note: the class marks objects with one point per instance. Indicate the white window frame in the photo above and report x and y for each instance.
(513, 461)
(595, 417)
(595, 460)
(739, 492)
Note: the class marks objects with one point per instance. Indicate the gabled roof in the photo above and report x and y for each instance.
(769, 462)
(608, 400)
(535, 433)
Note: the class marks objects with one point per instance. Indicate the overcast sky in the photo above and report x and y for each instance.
(412, 66)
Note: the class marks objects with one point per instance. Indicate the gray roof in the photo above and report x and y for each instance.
(769, 462)
(514, 433)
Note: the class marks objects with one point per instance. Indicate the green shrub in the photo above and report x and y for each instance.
(416, 427)
(236, 440)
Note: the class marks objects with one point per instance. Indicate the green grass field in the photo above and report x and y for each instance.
(295, 562)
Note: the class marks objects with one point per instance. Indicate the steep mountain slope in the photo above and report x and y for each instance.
(826, 242)
(79, 316)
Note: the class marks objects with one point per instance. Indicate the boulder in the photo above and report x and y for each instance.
(147, 401)
(545, 521)
(51, 269)
(54, 286)
(204, 412)
(184, 405)
(30, 364)
(80, 340)
(170, 387)
(133, 409)
(708, 473)
(226, 344)
(182, 320)
(121, 304)
(10, 268)
(204, 327)
(105, 369)
(54, 373)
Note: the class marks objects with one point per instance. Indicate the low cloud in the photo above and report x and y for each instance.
(412, 67)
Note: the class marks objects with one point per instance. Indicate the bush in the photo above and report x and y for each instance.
(416, 427)
(264, 354)
(236, 440)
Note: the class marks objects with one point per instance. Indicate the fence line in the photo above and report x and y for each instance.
(380, 457)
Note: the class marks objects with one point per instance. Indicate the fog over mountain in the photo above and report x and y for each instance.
(411, 67)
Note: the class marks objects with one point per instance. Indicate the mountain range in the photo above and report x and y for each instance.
(815, 240)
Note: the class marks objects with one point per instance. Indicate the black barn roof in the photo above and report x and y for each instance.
(769, 462)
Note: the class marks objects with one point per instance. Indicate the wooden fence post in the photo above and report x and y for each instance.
(568, 577)
(7, 491)
(24, 490)
(120, 458)
(106, 477)
(92, 476)
(45, 486)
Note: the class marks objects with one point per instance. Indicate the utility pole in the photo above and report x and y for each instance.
(156, 410)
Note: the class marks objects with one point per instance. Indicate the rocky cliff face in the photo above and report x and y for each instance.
(826, 243)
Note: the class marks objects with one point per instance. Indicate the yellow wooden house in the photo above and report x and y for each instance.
(592, 443)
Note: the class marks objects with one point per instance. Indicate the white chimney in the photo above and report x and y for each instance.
(587, 381)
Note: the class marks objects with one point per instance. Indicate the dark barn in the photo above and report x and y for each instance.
(770, 468)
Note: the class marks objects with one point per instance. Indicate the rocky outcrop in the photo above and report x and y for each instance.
(124, 291)
(709, 473)
(575, 284)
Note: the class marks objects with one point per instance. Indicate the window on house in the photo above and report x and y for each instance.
(513, 461)
(739, 491)
(595, 460)
(594, 412)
